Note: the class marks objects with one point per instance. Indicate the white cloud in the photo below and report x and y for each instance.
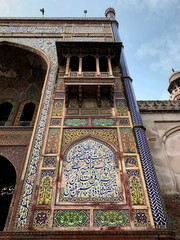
(5, 8)
(152, 6)
(163, 52)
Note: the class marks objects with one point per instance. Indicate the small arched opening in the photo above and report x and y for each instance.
(5, 110)
(7, 184)
(74, 64)
(103, 64)
(27, 114)
(89, 64)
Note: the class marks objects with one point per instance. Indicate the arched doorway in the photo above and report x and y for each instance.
(7, 184)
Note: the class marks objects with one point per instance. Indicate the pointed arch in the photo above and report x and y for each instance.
(90, 172)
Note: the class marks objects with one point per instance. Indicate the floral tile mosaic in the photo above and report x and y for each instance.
(41, 218)
(127, 140)
(55, 122)
(124, 122)
(59, 95)
(52, 140)
(103, 122)
(119, 95)
(111, 218)
(49, 161)
(45, 187)
(131, 161)
(141, 218)
(71, 218)
(109, 135)
(121, 107)
(135, 187)
(75, 122)
(57, 108)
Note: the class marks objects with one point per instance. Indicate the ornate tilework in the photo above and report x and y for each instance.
(135, 113)
(49, 162)
(131, 162)
(57, 108)
(135, 187)
(109, 135)
(118, 86)
(59, 95)
(73, 122)
(18, 116)
(52, 140)
(155, 198)
(119, 95)
(124, 122)
(41, 218)
(141, 218)
(121, 107)
(31, 93)
(45, 187)
(71, 218)
(55, 122)
(111, 218)
(48, 46)
(103, 122)
(60, 85)
(90, 173)
(127, 140)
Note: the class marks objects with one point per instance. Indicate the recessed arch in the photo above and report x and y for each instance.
(7, 185)
(170, 141)
(90, 172)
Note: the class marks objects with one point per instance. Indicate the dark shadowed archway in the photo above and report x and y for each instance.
(7, 184)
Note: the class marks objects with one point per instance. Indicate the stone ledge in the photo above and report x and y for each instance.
(90, 235)
(158, 106)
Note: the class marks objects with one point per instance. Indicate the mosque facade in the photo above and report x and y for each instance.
(80, 157)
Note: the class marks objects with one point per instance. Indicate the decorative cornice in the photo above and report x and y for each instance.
(162, 106)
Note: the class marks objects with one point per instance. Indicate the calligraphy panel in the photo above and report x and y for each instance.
(90, 173)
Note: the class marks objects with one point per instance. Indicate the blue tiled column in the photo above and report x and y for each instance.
(155, 198)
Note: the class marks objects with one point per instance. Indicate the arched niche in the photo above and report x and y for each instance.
(5, 110)
(103, 63)
(7, 185)
(27, 113)
(20, 67)
(171, 145)
(74, 63)
(90, 173)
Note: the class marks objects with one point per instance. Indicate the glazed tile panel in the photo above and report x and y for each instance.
(103, 122)
(41, 218)
(111, 218)
(90, 173)
(45, 187)
(71, 218)
(52, 140)
(135, 187)
(75, 122)
(127, 140)
(109, 135)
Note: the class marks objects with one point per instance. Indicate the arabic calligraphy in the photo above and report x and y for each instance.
(90, 172)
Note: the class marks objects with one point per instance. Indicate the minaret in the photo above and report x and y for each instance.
(174, 85)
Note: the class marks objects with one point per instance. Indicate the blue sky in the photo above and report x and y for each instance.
(149, 30)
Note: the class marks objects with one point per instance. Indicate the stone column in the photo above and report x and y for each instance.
(97, 66)
(110, 66)
(67, 65)
(80, 66)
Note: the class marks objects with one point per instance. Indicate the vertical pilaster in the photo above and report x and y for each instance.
(80, 66)
(97, 66)
(110, 66)
(67, 65)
